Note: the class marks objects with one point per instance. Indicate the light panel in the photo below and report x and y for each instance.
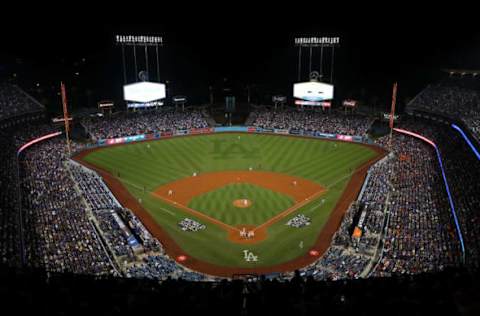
(138, 39)
(144, 92)
(313, 91)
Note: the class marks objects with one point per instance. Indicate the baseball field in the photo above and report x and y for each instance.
(242, 190)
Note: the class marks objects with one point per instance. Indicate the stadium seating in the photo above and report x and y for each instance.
(456, 97)
(129, 124)
(73, 224)
(311, 121)
(14, 102)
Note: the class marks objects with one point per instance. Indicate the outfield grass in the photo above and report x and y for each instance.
(155, 163)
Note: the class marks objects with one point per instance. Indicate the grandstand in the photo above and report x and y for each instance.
(82, 228)
(456, 97)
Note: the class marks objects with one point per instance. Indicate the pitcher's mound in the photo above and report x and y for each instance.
(242, 203)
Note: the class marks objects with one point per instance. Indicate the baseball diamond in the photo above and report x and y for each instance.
(201, 177)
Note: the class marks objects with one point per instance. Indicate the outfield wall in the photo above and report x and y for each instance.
(230, 129)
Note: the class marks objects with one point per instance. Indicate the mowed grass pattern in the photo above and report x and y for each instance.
(155, 163)
(219, 204)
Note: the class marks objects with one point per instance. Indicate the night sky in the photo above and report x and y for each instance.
(225, 52)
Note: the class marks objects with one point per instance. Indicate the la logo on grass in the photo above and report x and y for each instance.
(249, 256)
(223, 149)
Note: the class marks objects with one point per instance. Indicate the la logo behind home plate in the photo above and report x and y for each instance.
(249, 256)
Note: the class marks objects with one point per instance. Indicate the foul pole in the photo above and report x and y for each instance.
(65, 116)
(392, 114)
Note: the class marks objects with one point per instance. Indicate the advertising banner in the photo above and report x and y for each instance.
(345, 137)
(281, 131)
(350, 103)
(200, 131)
(135, 138)
(357, 139)
(166, 134)
(325, 135)
(251, 129)
(325, 104)
(295, 132)
(113, 141)
(181, 132)
(231, 129)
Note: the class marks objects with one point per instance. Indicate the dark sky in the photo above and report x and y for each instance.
(201, 52)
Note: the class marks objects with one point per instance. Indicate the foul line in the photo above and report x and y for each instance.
(169, 212)
(197, 213)
(269, 222)
(229, 228)
(290, 210)
(226, 227)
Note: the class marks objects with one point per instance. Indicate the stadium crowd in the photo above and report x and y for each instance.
(421, 243)
(346, 256)
(408, 228)
(69, 212)
(462, 170)
(9, 203)
(455, 292)
(59, 236)
(161, 267)
(119, 226)
(129, 124)
(311, 120)
(456, 97)
(420, 233)
(14, 101)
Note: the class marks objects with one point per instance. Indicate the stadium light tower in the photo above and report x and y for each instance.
(126, 41)
(65, 116)
(316, 42)
(145, 93)
(315, 92)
